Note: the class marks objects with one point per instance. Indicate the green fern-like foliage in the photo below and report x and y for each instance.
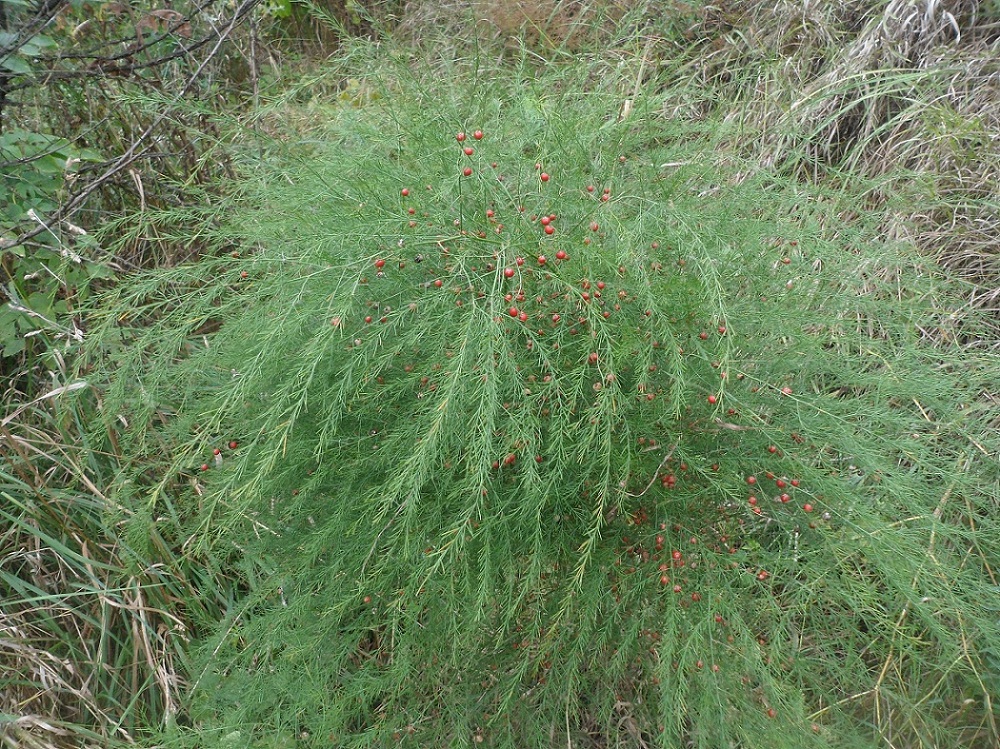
(702, 466)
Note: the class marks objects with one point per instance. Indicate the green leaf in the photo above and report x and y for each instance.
(99, 270)
(15, 64)
(11, 346)
(88, 154)
(51, 164)
(41, 303)
(36, 44)
(8, 319)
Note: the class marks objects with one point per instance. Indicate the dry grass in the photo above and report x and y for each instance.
(901, 93)
(91, 627)
(541, 26)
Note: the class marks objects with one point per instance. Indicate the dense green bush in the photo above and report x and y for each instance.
(582, 436)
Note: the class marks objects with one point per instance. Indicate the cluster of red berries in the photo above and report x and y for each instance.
(487, 250)
(783, 484)
(217, 453)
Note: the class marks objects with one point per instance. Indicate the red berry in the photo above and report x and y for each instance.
(807, 507)
(404, 192)
(204, 466)
(543, 177)
(751, 480)
(468, 150)
(712, 399)
(467, 171)
(460, 137)
(513, 312)
(593, 357)
(233, 445)
(478, 135)
(508, 272)
(594, 226)
(438, 283)
(380, 263)
(216, 451)
(550, 229)
(542, 259)
(519, 261)
(561, 255)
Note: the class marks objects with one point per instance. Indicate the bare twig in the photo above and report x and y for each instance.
(666, 458)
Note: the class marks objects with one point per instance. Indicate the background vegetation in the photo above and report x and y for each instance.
(226, 190)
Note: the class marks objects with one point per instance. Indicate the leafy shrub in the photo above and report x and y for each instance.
(582, 436)
(37, 284)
